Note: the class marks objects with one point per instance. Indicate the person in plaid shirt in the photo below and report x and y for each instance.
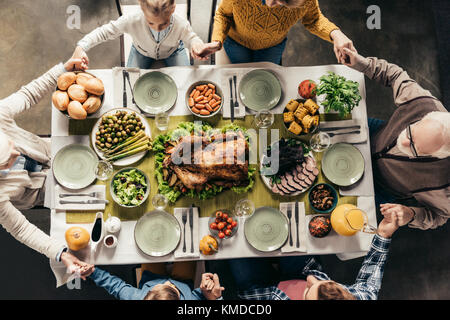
(253, 276)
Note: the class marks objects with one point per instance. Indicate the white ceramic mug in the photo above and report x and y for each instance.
(107, 241)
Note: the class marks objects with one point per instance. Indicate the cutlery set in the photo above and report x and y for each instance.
(184, 218)
(332, 134)
(87, 201)
(234, 104)
(296, 217)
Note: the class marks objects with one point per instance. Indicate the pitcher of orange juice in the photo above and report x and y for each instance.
(348, 219)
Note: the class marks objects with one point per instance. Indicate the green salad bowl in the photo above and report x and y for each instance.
(129, 203)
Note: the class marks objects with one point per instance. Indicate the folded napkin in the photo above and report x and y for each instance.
(101, 189)
(348, 138)
(225, 85)
(118, 86)
(363, 187)
(301, 227)
(178, 212)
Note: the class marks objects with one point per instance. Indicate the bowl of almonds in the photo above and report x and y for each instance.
(204, 99)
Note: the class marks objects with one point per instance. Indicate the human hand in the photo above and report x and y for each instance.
(388, 226)
(353, 58)
(201, 51)
(210, 286)
(341, 41)
(75, 265)
(80, 54)
(403, 213)
(75, 64)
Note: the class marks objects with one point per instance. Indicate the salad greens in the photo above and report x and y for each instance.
(341, 95)
(188, 128)
(130, 187)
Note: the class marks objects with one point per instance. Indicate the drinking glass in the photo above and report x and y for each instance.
(264, 119)
(103, 170)
(244, 208)
(162, 121)
(159, 201)
(320, 141)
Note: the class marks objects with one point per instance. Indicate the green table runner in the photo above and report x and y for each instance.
(259, 194)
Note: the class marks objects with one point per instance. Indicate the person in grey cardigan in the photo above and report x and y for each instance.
(24, 163)
(410, 151)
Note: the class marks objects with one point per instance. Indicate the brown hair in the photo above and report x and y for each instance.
(165, 293)
(157, 7)
(333, 291)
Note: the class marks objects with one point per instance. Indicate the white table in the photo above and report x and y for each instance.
(237, 247)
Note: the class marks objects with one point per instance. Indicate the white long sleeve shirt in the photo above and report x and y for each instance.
(137, 27)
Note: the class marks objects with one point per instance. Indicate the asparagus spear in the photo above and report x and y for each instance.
(128, 141)
(129, 148)
(129, 153)
(145, 138)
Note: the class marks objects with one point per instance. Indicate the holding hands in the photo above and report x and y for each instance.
(201, 51)
(388, 226)
(403, 214)
(341, 42)
(210, 286)
(75, 265)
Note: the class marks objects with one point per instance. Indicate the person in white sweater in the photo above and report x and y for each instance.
(24, 163)
(158, 34)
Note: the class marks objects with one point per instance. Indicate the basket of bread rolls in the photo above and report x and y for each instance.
(78, 94)
(301, 117)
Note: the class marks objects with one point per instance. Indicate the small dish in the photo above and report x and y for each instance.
(260, 90)
(218, 92)
(117, 198)
(155, 92)
(313, 129)
(157, 233)
(343, 164)
(215, 219)
(333, 194)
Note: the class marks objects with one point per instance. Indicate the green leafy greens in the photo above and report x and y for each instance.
(341, 95)
(130, 187)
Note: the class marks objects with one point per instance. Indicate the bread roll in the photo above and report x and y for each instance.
(77, 93)
(60, 100)
(66, 80)
(83, 77)
(95, 86)
(92, 104)
(76, 110)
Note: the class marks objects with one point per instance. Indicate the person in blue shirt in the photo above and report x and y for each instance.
(158, 287)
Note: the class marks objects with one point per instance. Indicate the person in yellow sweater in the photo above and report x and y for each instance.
(256, 30)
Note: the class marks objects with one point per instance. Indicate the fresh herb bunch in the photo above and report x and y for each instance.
(342, 95)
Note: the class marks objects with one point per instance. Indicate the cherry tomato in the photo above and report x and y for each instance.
(220, 225)
(219, 214)
(230, 220)
(228, 232)
(213, 226)
(225, 216)
(221, 235)
(229, 226)
(234, 224)
(218, 220)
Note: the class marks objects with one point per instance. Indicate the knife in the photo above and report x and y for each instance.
(191, 225)
(236, 104)
(127, 75)
(339, 128)
(231, 101)
(91, 201)
(296, 224)
(124, 89)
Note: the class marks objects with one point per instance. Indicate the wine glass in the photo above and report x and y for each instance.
(160, 201)
(320, 141)
(244, 208)
(264, 119)
(103, 170)
(162, 121)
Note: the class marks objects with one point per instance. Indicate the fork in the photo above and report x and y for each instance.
(91, 201)
(184, 219)
(289, 215)
(332, 134)
(92, 194)
(236, 103)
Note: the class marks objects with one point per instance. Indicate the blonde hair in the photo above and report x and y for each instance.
(157, 7)
(164, 293)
